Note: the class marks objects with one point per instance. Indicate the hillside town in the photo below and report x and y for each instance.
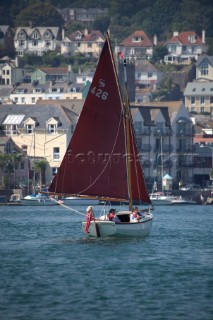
(39, 110)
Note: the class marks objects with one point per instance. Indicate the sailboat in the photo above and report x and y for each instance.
(101, 161)
(160, 198)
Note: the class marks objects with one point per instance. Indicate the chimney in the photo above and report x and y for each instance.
(63, 34)
(30, 25)
(175, 34)
(155, 40)
(203, 36)
(16, 62)
(86, 32)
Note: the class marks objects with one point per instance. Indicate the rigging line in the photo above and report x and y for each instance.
(116, 138)
(69, 208)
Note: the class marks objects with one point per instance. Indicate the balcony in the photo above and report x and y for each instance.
(163, 132)
(186, 164)
(165, 148)
(142, 131)
(185, 149)
(184, 133)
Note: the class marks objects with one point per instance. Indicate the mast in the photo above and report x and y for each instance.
(127, 131)
(161, 146)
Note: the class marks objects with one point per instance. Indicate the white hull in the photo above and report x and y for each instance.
(110, 228)
(161, 200)
(38, 201)
(75, 201)
(182, 201)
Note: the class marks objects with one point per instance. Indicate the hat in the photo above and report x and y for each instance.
(89, 208)
(112, 210)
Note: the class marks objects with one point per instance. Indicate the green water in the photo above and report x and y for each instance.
(49, 270)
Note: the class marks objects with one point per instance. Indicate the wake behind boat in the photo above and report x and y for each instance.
(102, 161)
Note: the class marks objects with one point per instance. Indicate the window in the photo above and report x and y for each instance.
(48, 43)
(173, 48)
(202, 100)
(137, 127)
(22, 165)
(21, 43)
(29, 128)
(35, 43)
(11, 129)
(24, 147)
(191, 38)
(33, 99)
(136, 39)
(54, 171)
(192, 100)
(22, 100)
(149, 74)
(51, 128)
(89, 45)
(35, 35)
(204, 71)
(72, 128)
(56, 154)
(211, 100)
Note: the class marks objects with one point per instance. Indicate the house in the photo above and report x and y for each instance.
(183, 47)
(74, 105)
(41, 131)
(164, 127)
(5, 93)
(204, 68)
(147, 75)
(83, 77)
(89, 43)
(30, 93)
(11, 73)
(85, 16)
(37, 40)
(136, 45)
(43, 75)
(199, 96)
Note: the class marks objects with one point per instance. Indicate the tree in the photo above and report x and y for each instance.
(7, 165)
(101, 24)
(39, 13)
(158, 53)
(40, 167)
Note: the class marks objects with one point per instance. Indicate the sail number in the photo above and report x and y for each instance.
(99, 93)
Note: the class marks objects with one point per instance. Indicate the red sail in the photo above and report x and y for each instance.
(138, 185)
(95, 161)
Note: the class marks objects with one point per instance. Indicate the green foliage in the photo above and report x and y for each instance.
(40, 167)
(74, 27)
(160, 17)
(158, 53)
(101, 24)
(39, 13)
